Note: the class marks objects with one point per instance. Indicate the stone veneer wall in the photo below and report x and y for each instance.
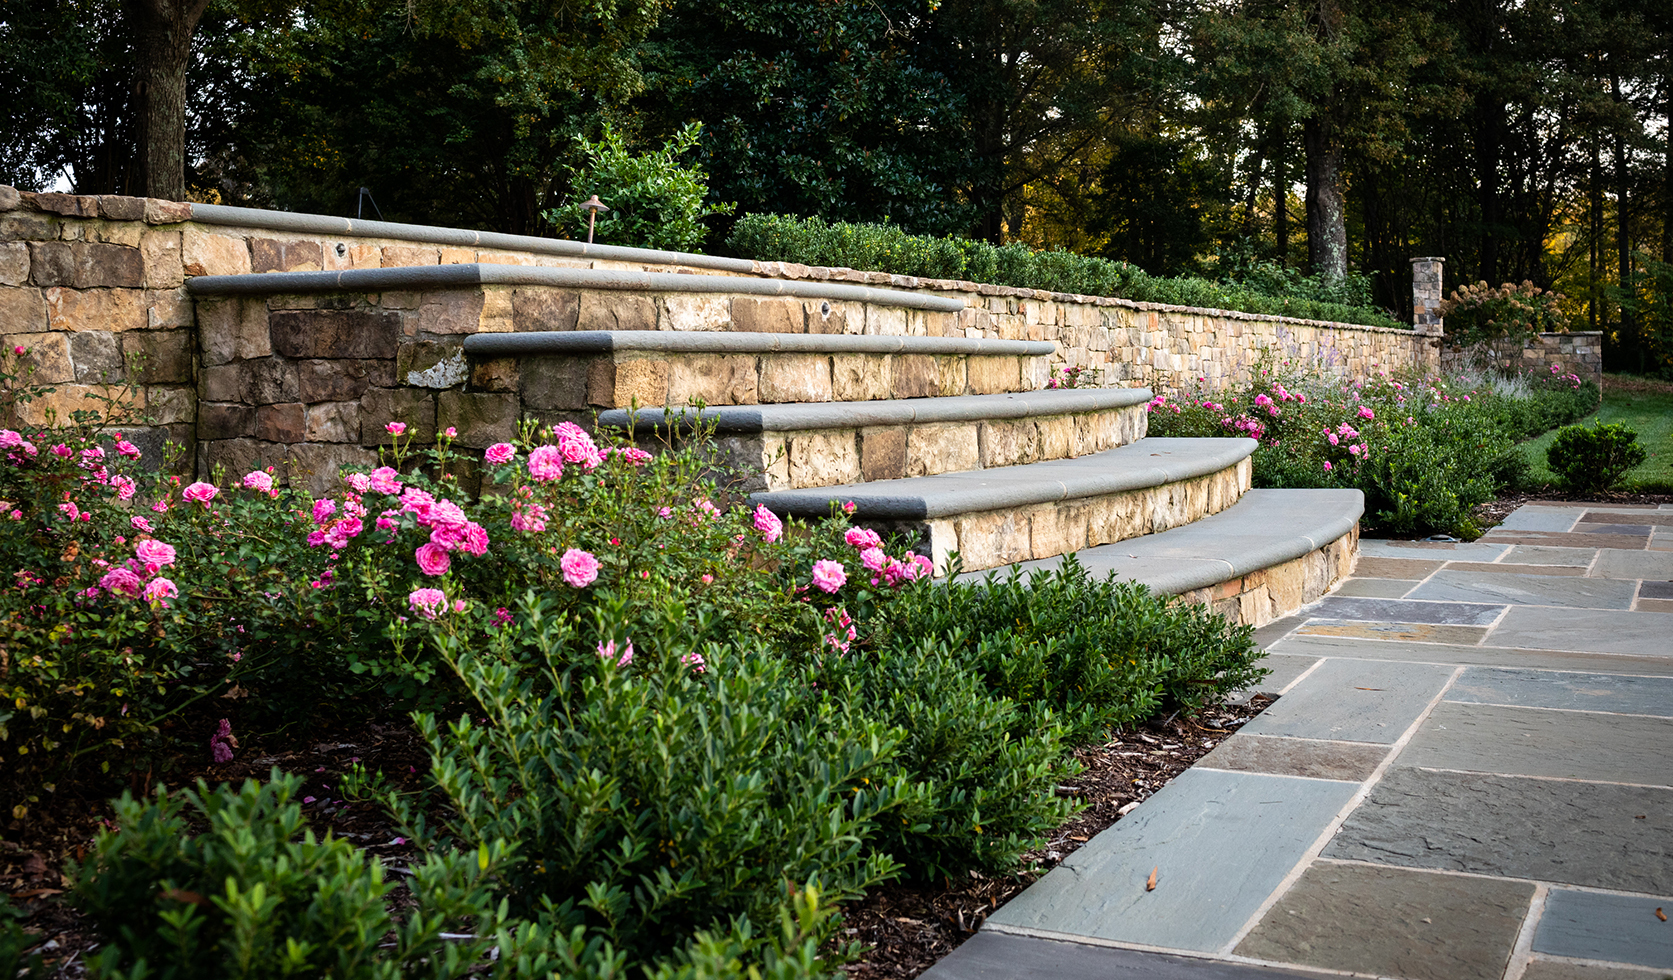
(1579, 353)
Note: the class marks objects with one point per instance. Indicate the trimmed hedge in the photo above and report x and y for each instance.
(886, 248)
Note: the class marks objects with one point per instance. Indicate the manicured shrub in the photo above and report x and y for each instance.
(1593, 458)
(653, 200)
(886, 248)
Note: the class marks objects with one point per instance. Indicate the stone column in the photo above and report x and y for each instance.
(1426, 295)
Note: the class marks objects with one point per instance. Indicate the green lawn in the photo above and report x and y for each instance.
(1649, 413)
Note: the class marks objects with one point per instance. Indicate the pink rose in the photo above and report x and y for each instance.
(358, 482)
(768, 524)
(257, 480)
(1366, 413)
(608, 652)
(451, 432)
(140, 524)
(154, 553)
(395, 428)
(386, 480)
(500, 452)
(580, 568)
(433, 559)
(576, 445)
(874, 559)
(829, 575)
(324, 508)
(160, 589)
(529, 517)
(122, 581)
(128, 449)
(124, 487)
(428, 603)
(861, 538)
(200, 493)
(546, 463)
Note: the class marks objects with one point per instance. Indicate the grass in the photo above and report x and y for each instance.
(1647, 407)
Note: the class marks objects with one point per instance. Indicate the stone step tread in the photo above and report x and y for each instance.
(575, 342)
(1140, 465)
(1264, 528)
(798, 416)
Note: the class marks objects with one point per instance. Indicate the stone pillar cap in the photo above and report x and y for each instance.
(1428, 258)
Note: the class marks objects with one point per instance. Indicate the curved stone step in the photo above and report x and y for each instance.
(1009, 514)
(1264, 557)
(822, 444)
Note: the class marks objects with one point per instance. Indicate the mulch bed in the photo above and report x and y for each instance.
(909, 927)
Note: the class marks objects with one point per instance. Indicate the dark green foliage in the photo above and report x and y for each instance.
(887, 248)
(1097, 653)
(654, 200)
(1594, 458)
(15, 943)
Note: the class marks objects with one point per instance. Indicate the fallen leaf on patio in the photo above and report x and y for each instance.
(1150, 885)
(1368, 689)
(1661, 915)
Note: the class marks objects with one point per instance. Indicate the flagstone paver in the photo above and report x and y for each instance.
(1469, 774)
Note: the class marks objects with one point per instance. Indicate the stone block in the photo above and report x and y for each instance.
(333, 422)
(59, 406)
(496, 314)
(97, 309)
(395, 256)
(860, 377)
(952, 374)
(823, 458)
(351, 255)
(69, 205)
(24, 226)
(14, 263)
(166, 308)
(160, 212)
(96, 356)
(795, 378)
(544, 309)
(342, 380)
(642, 382)
(601, 310)
(495, 374)
(287, 422)
(222, 383)
(993, 538)
(98, 266)
(161, 260)
(993, 375)
(882, 454)
(207, 254)
(318, 465)
(171, 406)
(233, 329)
(273, 255)
(946, 448)
(10, 199)
(1057, 437)
(265, 381)
(827, 316)
(713, 379)
(161, 356)
(431, 364)
(887, 321)
(46, 358)
(22, 310)
(695, 311)
(481, 418)
(381, 406)
(549, 383)
(1057, 529)
(1008, 442)
(915, 376)
(52, 263)
(457, 256)
(119, 208)
(225, 420)
(773, 314)
(455, 311)
(334, 333)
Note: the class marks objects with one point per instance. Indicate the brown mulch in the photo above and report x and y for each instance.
(910, 927)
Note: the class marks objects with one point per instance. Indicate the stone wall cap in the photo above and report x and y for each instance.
(1137, 466)
(1428, 258)
(893, 411)
(421, 277)
(1263, 529)
(737, 342)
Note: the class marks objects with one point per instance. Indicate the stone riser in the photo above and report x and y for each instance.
(993, 539)
(832, 457)
(1272, 593)
(622, 380)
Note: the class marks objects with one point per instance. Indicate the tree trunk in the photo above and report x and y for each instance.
(162, 51)
(1489, 140)
(1623, 225)
(1667, 173)
(1594, 257)
(1327, 229)
(1281, 194)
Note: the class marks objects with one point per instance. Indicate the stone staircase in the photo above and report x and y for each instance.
(896, 402)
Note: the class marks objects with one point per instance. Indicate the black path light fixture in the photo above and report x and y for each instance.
(593, 206)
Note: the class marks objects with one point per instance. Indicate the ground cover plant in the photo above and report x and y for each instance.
(1265, 288)
(1644, 406)
(1425, 451)
(666, 732)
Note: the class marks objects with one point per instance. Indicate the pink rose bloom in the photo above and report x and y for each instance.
(10, 439)
(417, 503)
(1333, 439)
(1327, 466)
(874, 559)
(124, 487)
(316, 538)
(451, 432)
(632, 454)
(608, 651)
(580, 568)
(475, 539)
(386, 480)
(257, 480)
(159, 589)
(122, 581)
(160, 507)
(140, 524)
(433, 559)
(128, 449)
(829, 575)
(546, 463)
(663, 513)
(576, 445)
(861, 538)
(384, 524)
(324, 508)
(500, 452)
(1366, 413)
(343, 530)
(445, 512)
(62, 451)
(359, 482)
(69, 510)
(705, 508)
(530, 518)
(768, 524)
(395, 428)
(154, 553)
(918, 566)
(200, 493)
(428, 603)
